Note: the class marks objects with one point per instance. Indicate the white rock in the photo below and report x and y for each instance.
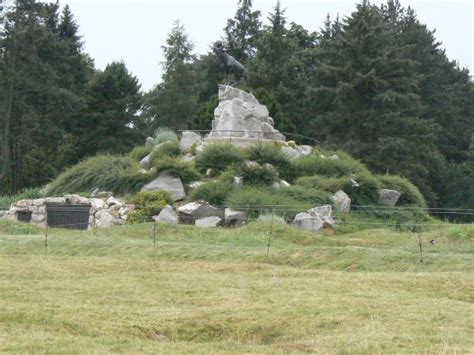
(189, 157)
(239, 114)
(196, 210)
(166, 182)
(189, 138)
(334, 157)
(341, 201)
(104, 219)
(208, 222)
(55, 200)
(292, 153)
(38, 218)
(76, 200)
(167, 215)
(388, 197)
(3, 214)
(304, 149)
(195, 184)
(146, 161)
(39, 202)
(150, 141)
(308, 222)
(280, 184)
(112, 201)
(233, 218)
(125, 211)
(24, 203)
(97, 204)
(238, 181)
(321, 211)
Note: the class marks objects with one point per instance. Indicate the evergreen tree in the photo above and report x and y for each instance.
(242, 32)
(377, 111)
(112, 119)
(172, 103)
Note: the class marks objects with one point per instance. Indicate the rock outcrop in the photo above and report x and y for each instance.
(190, 212)
(341, 201)
(388, 197)
(166, 182)
(240, 115)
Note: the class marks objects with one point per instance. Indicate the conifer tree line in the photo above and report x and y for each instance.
(376, 84)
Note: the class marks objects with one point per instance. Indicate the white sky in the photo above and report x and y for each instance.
(135, 30)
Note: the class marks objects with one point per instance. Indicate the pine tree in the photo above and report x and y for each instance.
(172, 103)
(112, 119)
(377, 110)
(242, 32)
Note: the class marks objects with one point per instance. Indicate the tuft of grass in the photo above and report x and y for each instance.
(364, 194)
(165, 149)
(164, 134)
(214, 192)
(178, 168)
(218, 157)
(106, 172)
(267, 153)
(140, 152)
(256, 201)
(306, 195)
(314, 164)
(26, 194)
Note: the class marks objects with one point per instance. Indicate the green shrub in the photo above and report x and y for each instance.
(105, 172)
(178, 168)
(26, 194)
(306, 195)
(255, 174)
(148, 204)
(140, 152)
(266, 153)
(256, 201)
(218, 157)
(215, 192)
(365, 194)
(314, 164)
(410, 195)
(164, 134)
(165, 149)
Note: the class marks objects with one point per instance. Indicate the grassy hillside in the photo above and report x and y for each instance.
(217, 291)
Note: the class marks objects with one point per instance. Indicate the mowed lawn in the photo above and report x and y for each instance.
(217, 291)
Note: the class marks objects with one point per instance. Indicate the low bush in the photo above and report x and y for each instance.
(106, 172)
(140, 152)
(165, 149)
(178, 168)
(148, 204)
(266, 153)
(253, 173)
(214, 192)
(366, 193)
(315, 164)
(410, 195)
(218, 157)
(164, 134)
(306, 195)
(256, 201)
(26, 194)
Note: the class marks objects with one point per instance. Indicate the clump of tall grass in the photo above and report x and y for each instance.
(266, 153)
(410, 195)
(214, 192)
(176, 167)
(164, 134)
(140, 152)
(218, 157)
(26, 194)
(118, 174)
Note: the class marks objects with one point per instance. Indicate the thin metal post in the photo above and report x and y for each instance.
(154, 237)
(46, 240)
(270, 234)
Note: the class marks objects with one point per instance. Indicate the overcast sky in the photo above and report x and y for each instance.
(135, 30)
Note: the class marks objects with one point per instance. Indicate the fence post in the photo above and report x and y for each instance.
(270, 234)
(420, 243)
(46, 240)
(154, 237)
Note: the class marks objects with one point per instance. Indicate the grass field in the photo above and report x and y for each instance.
(217, 291)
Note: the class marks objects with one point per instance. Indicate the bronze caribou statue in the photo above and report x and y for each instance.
(230, 64)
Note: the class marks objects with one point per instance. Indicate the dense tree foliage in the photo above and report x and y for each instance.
(376, 84)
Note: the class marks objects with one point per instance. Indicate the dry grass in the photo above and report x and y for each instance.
(108, 293)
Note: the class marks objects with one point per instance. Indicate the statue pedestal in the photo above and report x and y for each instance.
(241, 120)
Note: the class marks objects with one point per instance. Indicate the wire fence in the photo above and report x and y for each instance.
(269, 227)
